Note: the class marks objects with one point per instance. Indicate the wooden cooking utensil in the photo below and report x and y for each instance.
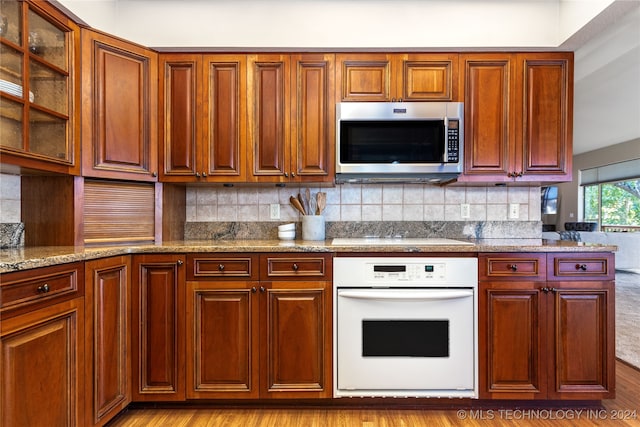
(322, 202)
(304, 203)
(296, 204)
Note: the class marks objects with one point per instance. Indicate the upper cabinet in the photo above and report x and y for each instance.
(291, 117)
(203, 118)
(518, 116)
(397, 77)
(119, 108)
(38, 86)
(247, 118)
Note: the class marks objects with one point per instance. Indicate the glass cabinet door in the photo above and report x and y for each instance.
(35, 87)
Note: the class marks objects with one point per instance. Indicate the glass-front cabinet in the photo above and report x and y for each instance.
(37, 86)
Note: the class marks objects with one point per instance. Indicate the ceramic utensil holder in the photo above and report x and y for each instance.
(312, 227)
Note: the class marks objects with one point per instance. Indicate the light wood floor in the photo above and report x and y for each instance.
(626, 405)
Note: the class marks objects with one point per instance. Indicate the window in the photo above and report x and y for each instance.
(615, 206)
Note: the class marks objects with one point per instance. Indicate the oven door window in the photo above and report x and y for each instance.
(405, 338)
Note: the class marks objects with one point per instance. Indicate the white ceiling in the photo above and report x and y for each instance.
(604, 34)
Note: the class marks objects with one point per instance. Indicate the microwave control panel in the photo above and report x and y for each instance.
(453, 141)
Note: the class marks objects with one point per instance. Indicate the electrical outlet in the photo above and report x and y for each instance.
(465, 210)
(514, 210)
(274, 211)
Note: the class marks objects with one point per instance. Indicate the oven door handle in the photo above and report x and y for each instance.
(406, 295)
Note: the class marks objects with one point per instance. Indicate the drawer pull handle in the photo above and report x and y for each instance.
(582, 267)
(513, 267)
(220, 267)
(43, 289)
(295, 267)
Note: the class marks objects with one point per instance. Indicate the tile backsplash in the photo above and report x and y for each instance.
(365, 202)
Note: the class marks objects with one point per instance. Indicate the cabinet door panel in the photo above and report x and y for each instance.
(108, 349)
(313, 117)
(430, 77)
(119, 108)
(269, 117)
(295, 361)
(41, 363)
(222, 327)
(224, 152)
(158, 298)
(511, 362)
(179, 109)
(365, 77)
(584, 344)
(488, 140)
(547, 118)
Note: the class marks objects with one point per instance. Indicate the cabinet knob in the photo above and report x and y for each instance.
(262, 289)
(293, 174)
(295, 267)
(154, 174)
(43, 289)
(513, 267)
(544, 289)
(197, 174)
(286, 174)
(204, 174)
(254, 290)
(220, 267)
(180, 262)
(582, 267)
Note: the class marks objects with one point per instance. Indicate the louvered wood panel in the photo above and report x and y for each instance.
(118, 212)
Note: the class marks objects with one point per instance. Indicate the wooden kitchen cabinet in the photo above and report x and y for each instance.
(119, 108)
(158, 290)
(291, 117)
(203, 108)
(42, 347)
(543, 336)
(386, 77)
(518, 116)
(108, 338)
(267, 338)
(39, 88)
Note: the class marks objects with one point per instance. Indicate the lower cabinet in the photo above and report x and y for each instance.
(42, 347)
(259, 332)
(158, 286)
(546, 326)
(108, 338)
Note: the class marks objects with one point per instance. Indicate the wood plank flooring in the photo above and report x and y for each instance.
(622, 411)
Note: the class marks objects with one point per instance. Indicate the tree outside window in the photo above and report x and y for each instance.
(615, 206)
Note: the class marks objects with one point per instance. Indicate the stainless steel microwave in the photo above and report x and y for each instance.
(399, 141)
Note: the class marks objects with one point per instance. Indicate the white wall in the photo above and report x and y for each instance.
(607, 87)
(340, 23)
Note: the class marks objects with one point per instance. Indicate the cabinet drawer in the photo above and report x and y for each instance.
(510, 266)
(203, 267)
(596, 266)
(25, 288)
(295, 267)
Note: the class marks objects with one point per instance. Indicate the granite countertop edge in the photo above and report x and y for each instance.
(17, 259)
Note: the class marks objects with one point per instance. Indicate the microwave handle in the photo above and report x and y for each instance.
(404, 294)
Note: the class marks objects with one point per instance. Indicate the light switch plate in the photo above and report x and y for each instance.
(465, 210)
(274, 211)
(514, 210)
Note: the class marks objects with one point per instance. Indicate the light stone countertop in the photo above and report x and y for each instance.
(16, 259)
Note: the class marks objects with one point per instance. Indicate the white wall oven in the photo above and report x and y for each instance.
(405, 327)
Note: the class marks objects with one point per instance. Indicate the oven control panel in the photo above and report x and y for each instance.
(407, 272)
(412, 272)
